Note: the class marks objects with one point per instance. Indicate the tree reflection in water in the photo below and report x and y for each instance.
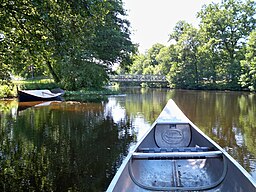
(228, 118)
(73, 146)
(68, 146)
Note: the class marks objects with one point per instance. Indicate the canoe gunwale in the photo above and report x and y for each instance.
(171, 114)
(177, 155)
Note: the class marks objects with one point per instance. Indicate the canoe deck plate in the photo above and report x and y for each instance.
(172, 135)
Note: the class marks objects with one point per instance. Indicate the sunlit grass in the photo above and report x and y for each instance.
(32, 84)
(32, 81)
(35, 84)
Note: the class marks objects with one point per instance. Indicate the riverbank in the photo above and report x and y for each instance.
(88, 94)
(81, 95)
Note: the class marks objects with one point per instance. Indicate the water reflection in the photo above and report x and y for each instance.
(227, 117)
(61, 147)
(73, 146)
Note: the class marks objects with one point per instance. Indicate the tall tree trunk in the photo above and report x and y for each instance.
(54, 75)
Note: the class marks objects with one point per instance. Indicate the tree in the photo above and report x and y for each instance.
(148, 62)
(4, 67)
(164, 59)
(58, 37)
(16, 46)
(210, 61)
(151, 62)
(137, 66)
(179, 29)
(208, 57)
(184, 72)
(228, 25)
(248, 77)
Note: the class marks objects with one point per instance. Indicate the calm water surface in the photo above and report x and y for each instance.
(72, 146)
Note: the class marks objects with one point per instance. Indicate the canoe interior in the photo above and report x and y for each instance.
(165, 160)
(182, 174)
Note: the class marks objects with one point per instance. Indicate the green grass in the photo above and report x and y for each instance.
(32, 84)
(36, 84)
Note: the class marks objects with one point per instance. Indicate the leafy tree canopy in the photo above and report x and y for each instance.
(228, 24)
(64, 38)
(248, 77)
(217, 55)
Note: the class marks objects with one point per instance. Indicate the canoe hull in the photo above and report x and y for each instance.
(38, 95)
(156, 164)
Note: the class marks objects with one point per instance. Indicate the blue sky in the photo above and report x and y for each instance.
(153, 20)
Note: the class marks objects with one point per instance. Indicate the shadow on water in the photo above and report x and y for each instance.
(78, 146)
(60, 147)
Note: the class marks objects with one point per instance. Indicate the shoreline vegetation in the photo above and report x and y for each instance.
(219, 54)
(90, 94)
(7, 92)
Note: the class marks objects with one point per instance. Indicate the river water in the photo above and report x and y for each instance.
(73, 146)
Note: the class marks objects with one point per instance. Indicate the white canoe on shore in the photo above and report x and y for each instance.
(38, 95)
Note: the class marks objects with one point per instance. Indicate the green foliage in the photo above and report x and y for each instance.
(146, 64)
(248, 77)
(53, 37)
(215, 56)
(179, 29)
(6, 91)
(164, 58)
(185, 71)
(227, 25)
(37, 84)
(5, 78)
(137, 66)
(84, 74)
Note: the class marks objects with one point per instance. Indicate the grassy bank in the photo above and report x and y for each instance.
(10, 91)
(33, 84)
(81, 95)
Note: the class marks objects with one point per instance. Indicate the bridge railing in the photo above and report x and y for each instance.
(137, 78)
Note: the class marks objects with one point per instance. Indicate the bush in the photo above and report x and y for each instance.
(6, 91)
(85, 75)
